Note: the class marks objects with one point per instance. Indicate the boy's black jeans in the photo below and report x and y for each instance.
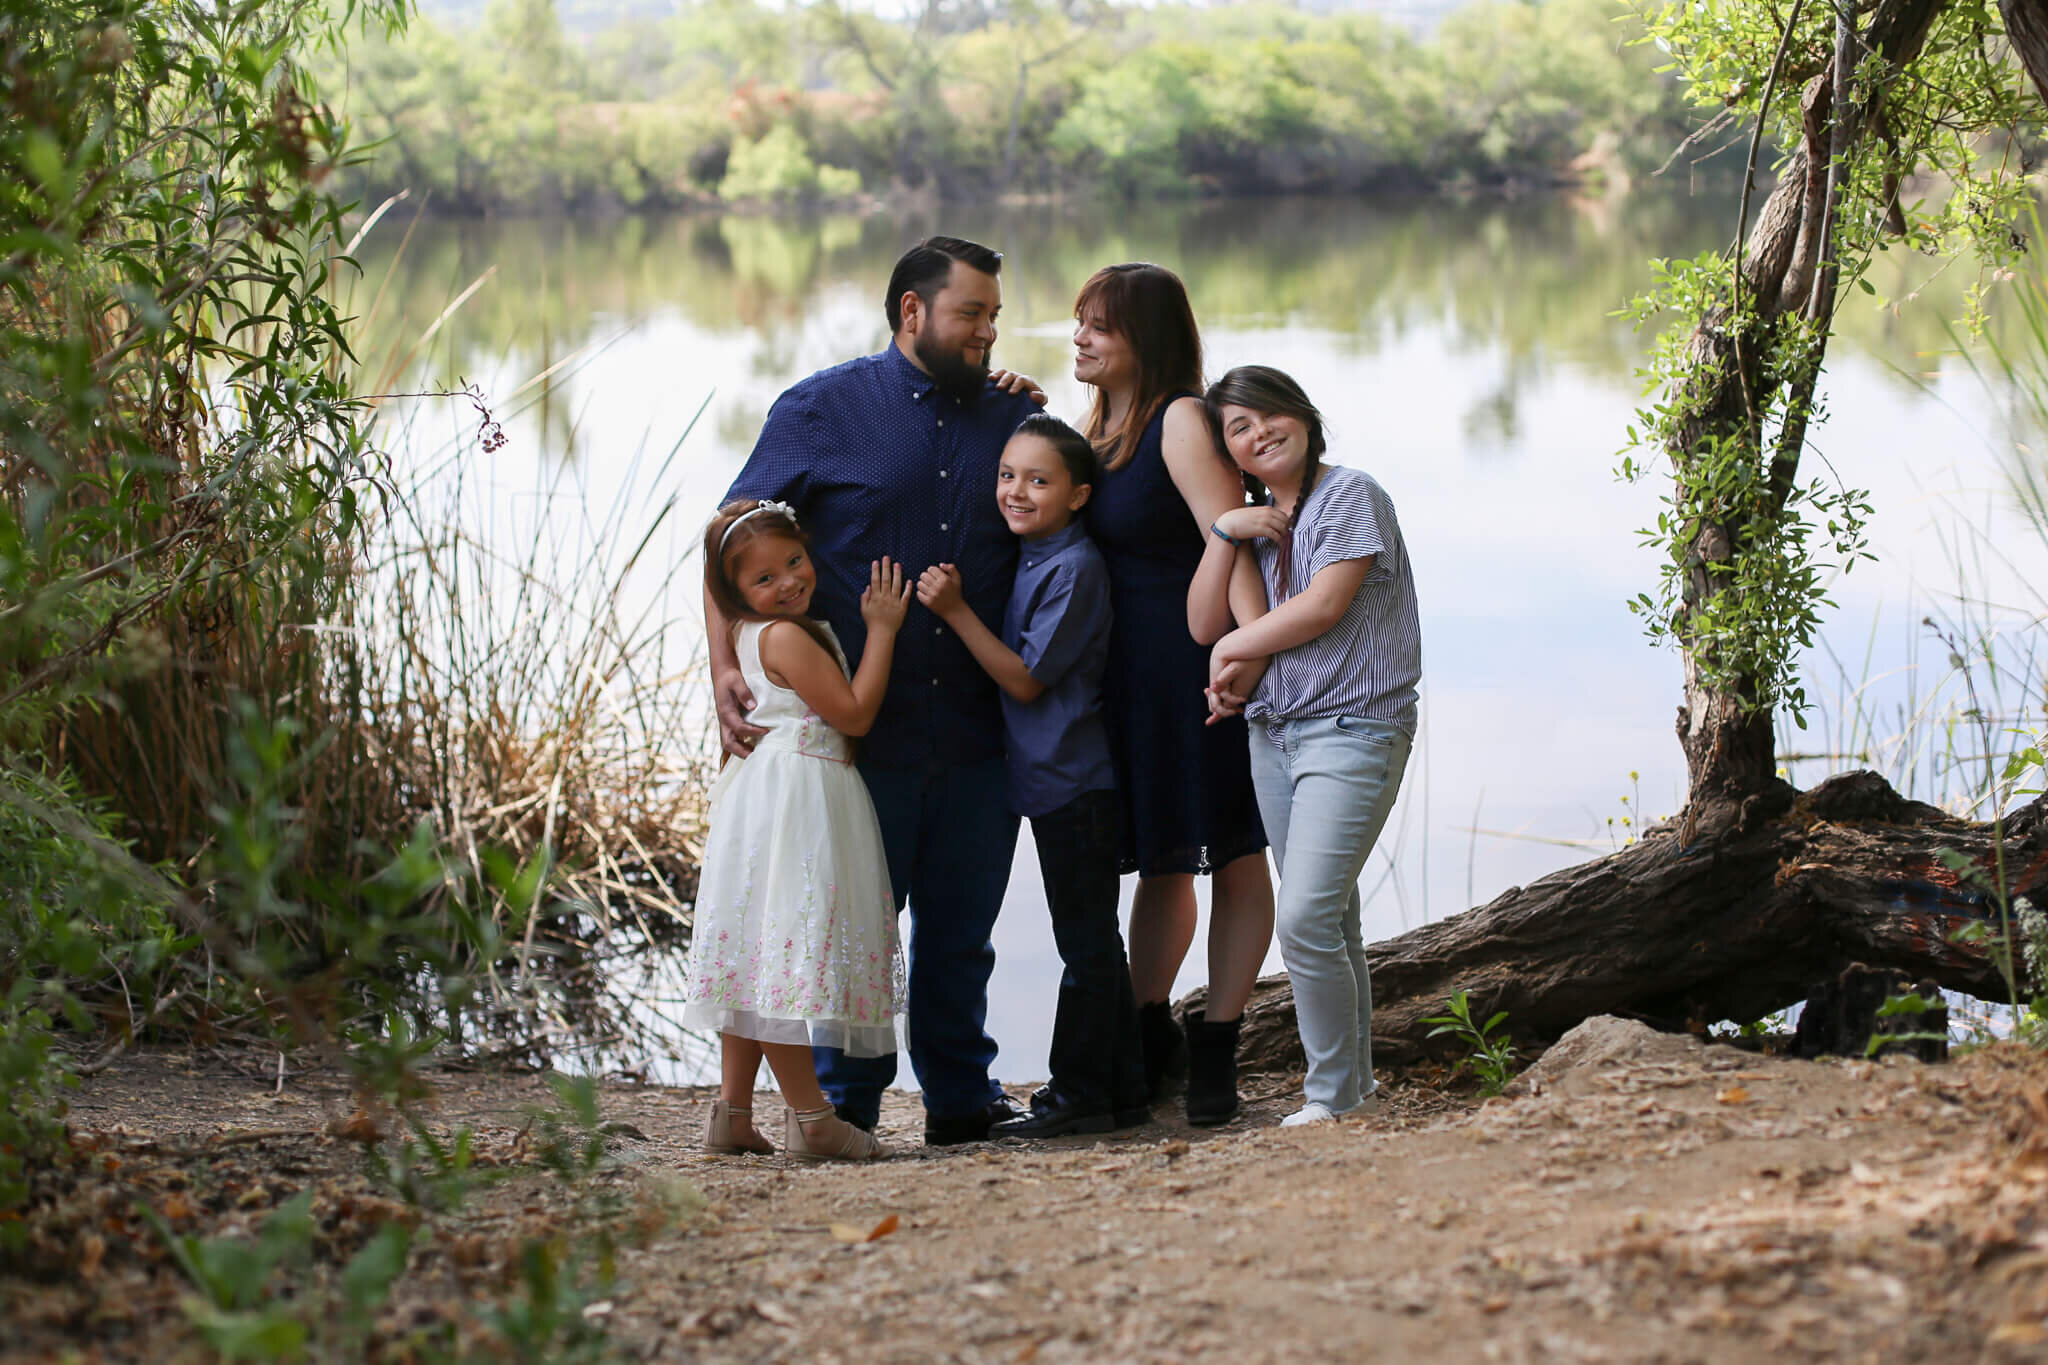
(1096, 1062)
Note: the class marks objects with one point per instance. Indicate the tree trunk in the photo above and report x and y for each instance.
(1726, 733)
(2026, 28)
(1731, 926)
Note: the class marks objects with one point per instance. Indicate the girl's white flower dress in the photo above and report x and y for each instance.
(795, 933)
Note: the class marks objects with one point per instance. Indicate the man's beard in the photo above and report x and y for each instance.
(950, 369)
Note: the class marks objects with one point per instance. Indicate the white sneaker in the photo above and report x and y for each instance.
(1312, 1112)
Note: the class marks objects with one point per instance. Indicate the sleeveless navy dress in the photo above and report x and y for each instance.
(1186, 785)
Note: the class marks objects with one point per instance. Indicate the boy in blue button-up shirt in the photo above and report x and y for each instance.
(1049, 663)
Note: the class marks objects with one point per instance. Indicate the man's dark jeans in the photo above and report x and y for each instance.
(1096, 1062)
(949, 837)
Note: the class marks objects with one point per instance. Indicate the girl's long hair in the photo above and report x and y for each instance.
(1148, 307)
(719, 553)
(1265, 389)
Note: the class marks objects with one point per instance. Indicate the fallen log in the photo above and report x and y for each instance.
(1741, 919)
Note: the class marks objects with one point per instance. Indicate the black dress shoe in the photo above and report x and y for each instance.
(947, 1130)
(1056, 1116)
(847, 1114)
(1135, 1115)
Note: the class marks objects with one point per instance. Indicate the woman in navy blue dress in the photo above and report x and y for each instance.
(1186, 784)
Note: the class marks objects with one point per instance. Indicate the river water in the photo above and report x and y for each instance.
(1465, 352)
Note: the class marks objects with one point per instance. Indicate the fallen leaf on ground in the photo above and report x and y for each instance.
(775, 1313)
(849, 1232)
(1734, 1094)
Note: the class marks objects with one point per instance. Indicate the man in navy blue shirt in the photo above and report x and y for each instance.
(895, 454)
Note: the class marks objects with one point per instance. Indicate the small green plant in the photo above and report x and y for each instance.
(1492, 1053)
(254, 1300)
(1911, 1005)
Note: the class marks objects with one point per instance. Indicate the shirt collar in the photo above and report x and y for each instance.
(920, 384)
(901, 371)
(1036, 552)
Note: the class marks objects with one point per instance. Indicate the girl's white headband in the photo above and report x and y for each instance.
(766, 505)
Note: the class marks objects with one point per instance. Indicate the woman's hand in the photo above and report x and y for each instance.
(1009, 381)
(1225, 659)
(887, 599)
(940, 590)
(1253, 523)
(1233, 686)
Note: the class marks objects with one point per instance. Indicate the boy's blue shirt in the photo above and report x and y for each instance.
(1058, 624)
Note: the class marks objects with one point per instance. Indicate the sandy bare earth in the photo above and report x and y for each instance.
(1652, 1200)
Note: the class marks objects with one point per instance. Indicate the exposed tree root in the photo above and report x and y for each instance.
(1745, 917)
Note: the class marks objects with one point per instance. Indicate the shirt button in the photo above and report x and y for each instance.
(943, 526)
(942, 473)
(935, 682)
(942, 421)
(938, 630)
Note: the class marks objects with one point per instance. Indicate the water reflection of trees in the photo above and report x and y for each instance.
(1534, 279)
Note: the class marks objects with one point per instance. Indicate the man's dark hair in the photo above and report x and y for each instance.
(1076, 452)
(924, 268)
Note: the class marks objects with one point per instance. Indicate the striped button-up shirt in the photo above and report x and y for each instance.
(877, 461)
(1369, 663)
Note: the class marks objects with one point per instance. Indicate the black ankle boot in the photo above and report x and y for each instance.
(1165, 1049)
(1212, 1070)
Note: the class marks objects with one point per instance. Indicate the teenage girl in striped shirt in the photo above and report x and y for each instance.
(1310, 607)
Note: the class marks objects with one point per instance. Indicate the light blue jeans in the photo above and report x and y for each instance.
(1324, 792)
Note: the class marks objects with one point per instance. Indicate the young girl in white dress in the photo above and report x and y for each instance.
(794, 942)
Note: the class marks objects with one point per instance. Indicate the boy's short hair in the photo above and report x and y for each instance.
(1075, 450)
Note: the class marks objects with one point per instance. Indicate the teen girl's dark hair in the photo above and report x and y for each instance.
(1148, 307)
(721, 549)
(1265, 389)
(1075, 451)
(924, 269)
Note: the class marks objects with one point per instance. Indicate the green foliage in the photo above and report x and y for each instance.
(1748, 543)
(1908, 1006)
(1491, 1053)
(1019, 94)
(72, 925)
(776, 168)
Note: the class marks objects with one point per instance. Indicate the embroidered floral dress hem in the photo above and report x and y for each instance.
(855, 1040)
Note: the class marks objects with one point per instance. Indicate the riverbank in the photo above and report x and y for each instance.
(1655, 1200)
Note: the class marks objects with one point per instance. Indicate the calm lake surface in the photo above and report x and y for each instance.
(1464, 352)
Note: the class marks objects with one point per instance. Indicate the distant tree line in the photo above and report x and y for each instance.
(741, 102)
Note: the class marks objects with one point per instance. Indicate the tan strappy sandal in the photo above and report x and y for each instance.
(730, 1130)
(821, 1135)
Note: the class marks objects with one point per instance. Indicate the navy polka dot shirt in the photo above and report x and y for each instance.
(877, 460)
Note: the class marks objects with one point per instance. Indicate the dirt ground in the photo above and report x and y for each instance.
(1644, 1199)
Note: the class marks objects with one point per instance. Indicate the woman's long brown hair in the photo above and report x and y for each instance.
(1148, 307)
(719, 552)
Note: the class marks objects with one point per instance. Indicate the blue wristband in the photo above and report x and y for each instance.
(1221, 534)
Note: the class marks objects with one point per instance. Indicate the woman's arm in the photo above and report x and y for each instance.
(1210, 486)
(1247, 588)
(1300, 618)
(1213, 596)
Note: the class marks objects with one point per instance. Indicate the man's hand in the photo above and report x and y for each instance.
(734, 700)
(939, 588)
(1009, 381)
